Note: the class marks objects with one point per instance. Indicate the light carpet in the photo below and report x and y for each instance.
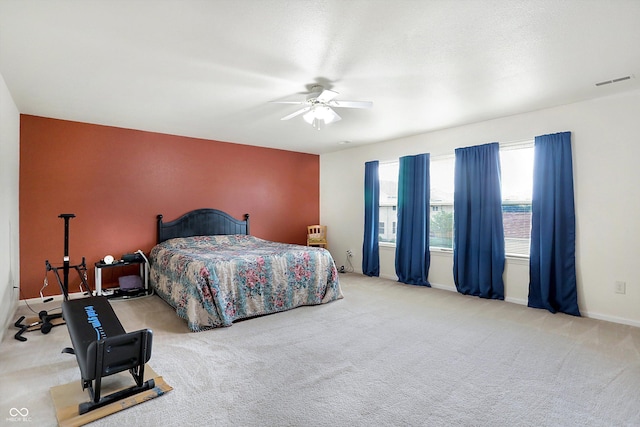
(387, 354)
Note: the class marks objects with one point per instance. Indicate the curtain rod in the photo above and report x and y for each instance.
(508, 145)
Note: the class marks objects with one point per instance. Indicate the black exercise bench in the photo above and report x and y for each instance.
(103, 348)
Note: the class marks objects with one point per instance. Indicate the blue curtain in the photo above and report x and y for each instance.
(552, 264)
(412, 236)
(370, 252)
(478, 238)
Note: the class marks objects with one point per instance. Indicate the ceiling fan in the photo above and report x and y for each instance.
(319, 105)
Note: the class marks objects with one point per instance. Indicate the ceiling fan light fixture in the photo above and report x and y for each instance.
(319, 115)
(312, 118)
(309, 116)
(325, 114)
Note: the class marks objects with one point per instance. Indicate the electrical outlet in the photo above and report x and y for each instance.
(620, 287)
(349, 253)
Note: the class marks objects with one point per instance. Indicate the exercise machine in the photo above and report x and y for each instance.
(101, 345)
(45, 321)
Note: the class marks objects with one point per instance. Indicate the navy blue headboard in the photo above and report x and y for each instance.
(202, 222)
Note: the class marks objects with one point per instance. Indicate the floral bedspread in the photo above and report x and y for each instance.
(213, 280)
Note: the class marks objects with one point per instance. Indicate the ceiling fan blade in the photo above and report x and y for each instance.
(326, 96)
(296, 113)
(288, 102)
(351, 104)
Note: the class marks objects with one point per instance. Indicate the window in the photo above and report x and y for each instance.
(388, 176)
(516, 164)
(441, 225)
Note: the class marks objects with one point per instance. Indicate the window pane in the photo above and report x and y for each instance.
(441, 224)
(517, 228)
(517, 186)
(388, 176)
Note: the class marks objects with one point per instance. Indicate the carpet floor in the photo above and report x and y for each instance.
(387, 354)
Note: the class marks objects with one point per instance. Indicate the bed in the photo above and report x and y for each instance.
(209, 268)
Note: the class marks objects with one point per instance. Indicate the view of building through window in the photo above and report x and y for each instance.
(441, 224)
(388, 177)
(517, 183)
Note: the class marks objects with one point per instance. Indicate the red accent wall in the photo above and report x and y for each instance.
(116, 181)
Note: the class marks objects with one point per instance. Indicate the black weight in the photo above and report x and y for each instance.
(46, 327)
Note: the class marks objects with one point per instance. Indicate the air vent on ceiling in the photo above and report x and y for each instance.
(619, 79)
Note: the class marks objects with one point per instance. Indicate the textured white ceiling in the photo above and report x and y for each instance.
(208, 69)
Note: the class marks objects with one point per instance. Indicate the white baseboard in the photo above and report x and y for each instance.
(520, 301)
(608, 318)
(56, 298)
(444, 287)
(452, 288)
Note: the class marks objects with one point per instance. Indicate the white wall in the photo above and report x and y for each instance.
(9, 174)
(606, 154)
